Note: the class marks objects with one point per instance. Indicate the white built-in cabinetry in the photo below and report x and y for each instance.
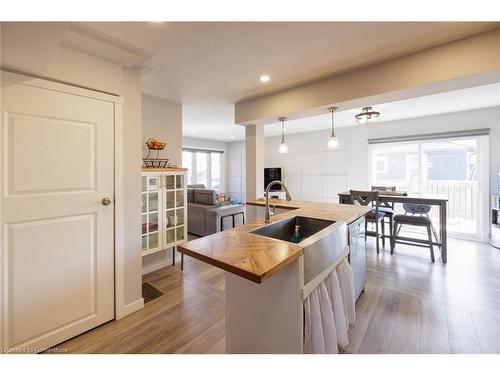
(164, 209)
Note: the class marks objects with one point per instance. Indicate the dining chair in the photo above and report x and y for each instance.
(374, 216)
(386, 207)
(415, 215)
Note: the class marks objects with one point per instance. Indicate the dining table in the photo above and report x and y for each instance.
(439, 200)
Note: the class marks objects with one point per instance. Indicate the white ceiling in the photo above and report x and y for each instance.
(453, 101)
(221, 62)
(208, 66)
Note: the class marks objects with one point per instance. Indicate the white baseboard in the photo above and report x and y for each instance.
(122, 312)
(161, 259)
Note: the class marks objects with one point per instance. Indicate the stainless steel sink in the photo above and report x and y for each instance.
(320, 249)
(284, 229)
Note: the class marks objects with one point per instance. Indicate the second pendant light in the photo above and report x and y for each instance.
(333, 142)
(283, 149)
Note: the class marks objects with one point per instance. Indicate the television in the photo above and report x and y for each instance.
(271, 174)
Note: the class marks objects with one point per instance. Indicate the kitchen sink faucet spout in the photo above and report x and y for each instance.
(288, 198)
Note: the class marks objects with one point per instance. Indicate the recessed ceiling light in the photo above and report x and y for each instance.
(264, 78)
(231, 137)
(193, 132)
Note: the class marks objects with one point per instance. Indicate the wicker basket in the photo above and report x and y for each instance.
(154, 144)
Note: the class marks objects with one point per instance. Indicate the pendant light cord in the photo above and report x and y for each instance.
(333, 129)
(282, 130)
(332, 110)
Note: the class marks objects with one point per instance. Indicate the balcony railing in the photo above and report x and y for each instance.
(462, 197)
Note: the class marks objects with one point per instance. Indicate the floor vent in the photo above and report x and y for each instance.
(149, 292)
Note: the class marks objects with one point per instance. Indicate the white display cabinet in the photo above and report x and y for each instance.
(164, 209)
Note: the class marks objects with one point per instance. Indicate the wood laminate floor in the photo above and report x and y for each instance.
(410, 306)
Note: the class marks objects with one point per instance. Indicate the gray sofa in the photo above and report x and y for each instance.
(205, 217)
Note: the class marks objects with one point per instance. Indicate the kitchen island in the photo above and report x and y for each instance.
(268, 278)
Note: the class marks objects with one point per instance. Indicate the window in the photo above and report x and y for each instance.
(446, 167)
(382, 164)
(216, 171)
(201, 169)
(204, 167)
(187, 162)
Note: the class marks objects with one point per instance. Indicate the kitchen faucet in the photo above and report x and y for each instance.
(288, 198)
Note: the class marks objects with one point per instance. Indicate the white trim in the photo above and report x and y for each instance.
(120, 307)
(3, 243)
(130, 308)
(484, 212)
(54, 85)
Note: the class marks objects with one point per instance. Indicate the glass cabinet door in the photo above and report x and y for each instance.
(163, 211)
(150, 212)
(179, 181)
(174, 210)
(169, 182)
(179, 198)
(179, 233)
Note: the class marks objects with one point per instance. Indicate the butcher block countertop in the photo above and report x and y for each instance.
(319, 210)
(257, 258)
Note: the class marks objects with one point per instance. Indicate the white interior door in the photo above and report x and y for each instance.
(57, 235)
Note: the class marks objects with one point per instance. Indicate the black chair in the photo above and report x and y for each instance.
(386, 207)
(366, 198)
(416, 215)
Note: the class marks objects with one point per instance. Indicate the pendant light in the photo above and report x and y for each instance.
(283, 149)
(367, 115)
(333, 142)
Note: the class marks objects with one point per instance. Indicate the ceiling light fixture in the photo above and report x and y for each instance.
(264, 78)
(231, 137)
(367, 115)
(283, 149)
(333, 142)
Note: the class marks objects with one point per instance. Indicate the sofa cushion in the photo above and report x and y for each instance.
(197, 219)
(190, 195)
(205, 196)
(190, 191)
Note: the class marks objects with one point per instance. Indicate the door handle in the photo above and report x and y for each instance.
(106, 201)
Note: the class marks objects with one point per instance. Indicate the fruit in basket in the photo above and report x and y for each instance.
(154, 144)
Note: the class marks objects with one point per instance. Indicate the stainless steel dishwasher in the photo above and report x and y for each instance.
(357, 254)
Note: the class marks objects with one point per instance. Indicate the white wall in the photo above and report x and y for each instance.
(162, 119)
(312, 172)
(236, 170)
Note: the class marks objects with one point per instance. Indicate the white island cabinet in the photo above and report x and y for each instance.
(164, 209)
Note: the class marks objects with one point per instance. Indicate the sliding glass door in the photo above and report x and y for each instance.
(454, 167)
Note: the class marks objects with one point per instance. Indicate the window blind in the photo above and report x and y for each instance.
(190, 149)
(428, 136)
